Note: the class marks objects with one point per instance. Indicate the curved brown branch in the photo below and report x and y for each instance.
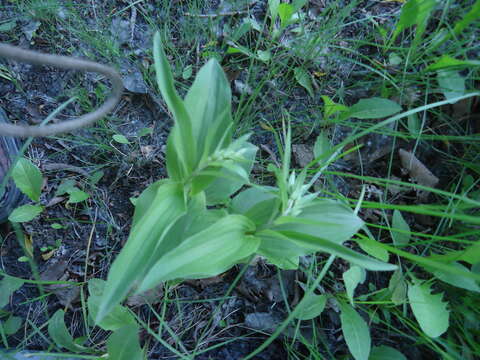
(63, 62)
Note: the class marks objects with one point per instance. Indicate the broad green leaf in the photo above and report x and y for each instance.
(307, 241)
(264, 56)
(285, 12)
(273, 9)
(232, 163)
(429, 309)
(451, 83)
(206, 253)
(145, 201)
(96, 177)
(117, 318)
(12, 325)
(207, 176)
(145, 240)
(120, 139)
(25, 213)
(374, 108)
(322, 145)
(264, 212)
(372, 247)
(448, 62)
(384, 352)
(77, 196)
(356, 332)
(458, 281)
(352, 277)
(398, 222)
(258, 204)
(279, 250)
(187, 72)
(304, 79)
(186, 149)
(331, 108)
(414, 12)
(124, 344)
(66, 187)
(8, 285)
(28, 178)
(328, 219)
(398, 288)
(249, 198)
(174, 163)
(59, 333)
(208, 103)
(220, 190)
(311, 306)
(196, 219)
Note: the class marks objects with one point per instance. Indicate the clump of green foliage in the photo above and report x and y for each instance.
(188, 226)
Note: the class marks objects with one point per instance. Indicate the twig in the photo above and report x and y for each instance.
(229, 13)
(63, 62)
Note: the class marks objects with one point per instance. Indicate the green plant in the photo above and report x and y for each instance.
(9, 324)
(177, 234)
(287, 13)
(29, 180)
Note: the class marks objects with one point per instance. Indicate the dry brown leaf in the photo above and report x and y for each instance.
(56, 271)
(65, 167)
(29, 245)
(151, 296)
(48, 255)
(147, 151)
(55, 200)
(418, 171)
(303, 154)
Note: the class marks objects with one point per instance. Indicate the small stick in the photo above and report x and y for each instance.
(230, 13)
(63, 62)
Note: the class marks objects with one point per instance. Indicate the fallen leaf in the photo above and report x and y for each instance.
(29, 245)
(147, 150)
(418, 171)
(55, 200)
(210, 281)
(56, 271)
(48, 255)
(152, 296)
(262, 321)
(303, 154)
(65, 167)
